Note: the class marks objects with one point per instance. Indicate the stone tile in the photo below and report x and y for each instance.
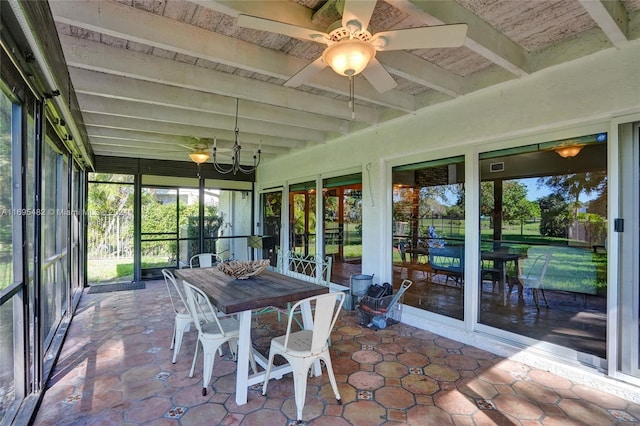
(586, 412)
(428, 415)
(366, 380)
(394, 397)
(599, 397)
(148, 409)
(517, 406)
(413, 359)
(207, 413)
(441, 372)
(536, 392)
(115, 368)
(454, 402)
(391, 369)
(461, 362)
(549, 380)
(364, 413)
(367, 357)
(419, 384)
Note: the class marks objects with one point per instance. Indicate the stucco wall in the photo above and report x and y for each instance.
(589, 90)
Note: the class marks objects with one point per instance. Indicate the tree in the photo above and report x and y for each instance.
(574, 184)
(555, 216)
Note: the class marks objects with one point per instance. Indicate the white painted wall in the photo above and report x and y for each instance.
(556, 102)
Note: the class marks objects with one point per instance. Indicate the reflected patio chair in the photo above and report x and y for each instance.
(302, 348)
(532, 276)
(204, 260)
(213, 331)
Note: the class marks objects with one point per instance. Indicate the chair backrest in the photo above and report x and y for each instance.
(204, 260)
(325, 314)
(447, 258)
(200, 307)
(312, 269)
(178, 300)
(532, 275)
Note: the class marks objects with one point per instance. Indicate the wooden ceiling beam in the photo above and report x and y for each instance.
(134, 109)
(129, 23)
(225, 138)
(119, 87)
(86, 54)
(482, 38)
(612, 18)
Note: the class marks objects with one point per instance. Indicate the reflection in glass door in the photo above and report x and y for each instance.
(302, 218)
(544, 255)
(342, 224)
(271, 220)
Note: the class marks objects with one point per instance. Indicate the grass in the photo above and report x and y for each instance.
(101, 271)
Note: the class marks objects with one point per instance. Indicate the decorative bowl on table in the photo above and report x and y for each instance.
(243, 270)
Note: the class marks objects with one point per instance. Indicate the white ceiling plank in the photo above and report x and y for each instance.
(422, 72)
(289, 12)
(85, 54)
(118, 87)
(126, 22)
(161, 147)
(225, 138)
(134, 109)
(612, 18)
(482, 38)
(268, 143)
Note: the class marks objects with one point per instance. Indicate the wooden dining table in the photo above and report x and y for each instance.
(234, 296)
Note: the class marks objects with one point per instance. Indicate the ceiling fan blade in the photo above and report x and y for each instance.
(268, 25)
(306, 73)
(358, 10)
(421, 38)
(378, 76)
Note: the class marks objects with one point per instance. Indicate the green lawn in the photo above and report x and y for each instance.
(100, 271)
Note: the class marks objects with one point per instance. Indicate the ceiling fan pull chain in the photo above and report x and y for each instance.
(352, 94)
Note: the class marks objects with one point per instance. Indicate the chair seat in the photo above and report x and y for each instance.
(299, 344)
(230, 326)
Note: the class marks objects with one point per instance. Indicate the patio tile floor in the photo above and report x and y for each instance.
(115, 368)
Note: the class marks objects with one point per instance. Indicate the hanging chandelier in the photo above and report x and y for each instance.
(235, 165)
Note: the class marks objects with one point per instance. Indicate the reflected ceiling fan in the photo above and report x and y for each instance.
(351, 48)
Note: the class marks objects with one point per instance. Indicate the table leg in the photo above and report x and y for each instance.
(504, 285)
(242, 368)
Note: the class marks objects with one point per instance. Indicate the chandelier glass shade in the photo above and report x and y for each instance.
(349, 57)
(199, 157)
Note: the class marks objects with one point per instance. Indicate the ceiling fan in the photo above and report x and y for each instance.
(351, 48)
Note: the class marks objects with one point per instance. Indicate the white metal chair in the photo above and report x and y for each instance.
(302, 348)
(204, 260)
(183, 318)
(213, 331)
(533, 275)
(311, 269)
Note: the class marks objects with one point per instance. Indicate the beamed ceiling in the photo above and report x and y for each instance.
(156, 78)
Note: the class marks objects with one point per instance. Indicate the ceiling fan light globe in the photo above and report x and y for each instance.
(349, 57)
(199, 157)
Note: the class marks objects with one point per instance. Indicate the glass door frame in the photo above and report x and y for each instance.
(623, 247)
